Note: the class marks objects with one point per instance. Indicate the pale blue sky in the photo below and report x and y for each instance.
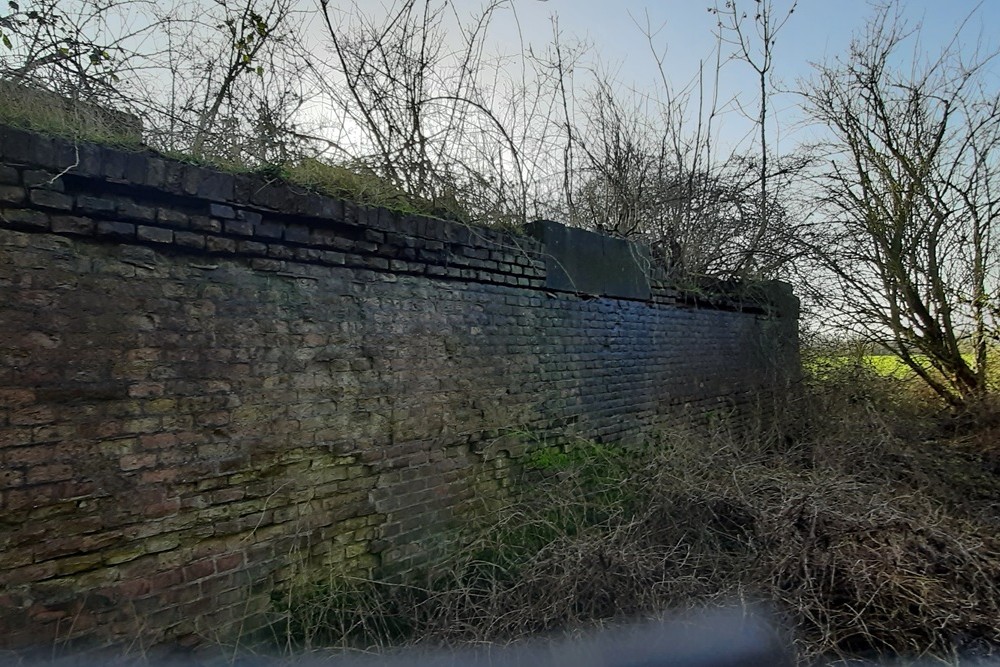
(818, 30)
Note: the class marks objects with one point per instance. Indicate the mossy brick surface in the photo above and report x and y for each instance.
(210, 388)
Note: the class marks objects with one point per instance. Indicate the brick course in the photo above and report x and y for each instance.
(209, 380)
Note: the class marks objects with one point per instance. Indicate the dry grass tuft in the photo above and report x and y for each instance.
(45, 111)
(356, 183)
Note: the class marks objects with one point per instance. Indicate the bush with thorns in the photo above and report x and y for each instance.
(867, 543)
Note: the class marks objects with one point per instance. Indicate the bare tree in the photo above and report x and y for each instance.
(78, 49)
(412, 102)
(225, 84)
(752, 35)
(415, 112)
(649, 167)
(910, 185)
(214, 79)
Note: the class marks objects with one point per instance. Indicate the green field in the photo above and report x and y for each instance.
(883, 365)
(889, 365)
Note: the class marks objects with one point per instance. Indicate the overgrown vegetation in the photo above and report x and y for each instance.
(43, 111)
(886, 219)
(910, 180)
(868, 521)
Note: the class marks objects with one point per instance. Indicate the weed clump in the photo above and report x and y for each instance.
(838, 506)
(357, 183)
(34, 108)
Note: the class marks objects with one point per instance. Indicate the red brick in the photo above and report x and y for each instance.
(227, 496)
(34, 496)
(228, 562)
(179, 596)
(157, 440)
(158, 476)
(32, 456)
(11, 477)
(14, 437)
(11, 558)
(16, 398)
(218, 418)
(58, 433)
(32, 416)
(83, 624)
(45, 615)
(130, 462)
(76, 489)
(161, 509)
(28, 574)
(165, 580)
(199, 570)
(258, 360)
(133, 588)
(55, 472)
(145, 389)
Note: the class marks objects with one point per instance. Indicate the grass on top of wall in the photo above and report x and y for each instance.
(867, 521)
(356, 183)
(46, 112)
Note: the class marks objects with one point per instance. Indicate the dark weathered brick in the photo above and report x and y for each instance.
(25, 218)
(129, 209)
(177, 425)
(171, 217)
(11, 194)
(113, 166)
(306, 254)
(88, 204)
(156, 172)
(71, 224)
(205, 224)
(331, 257)
(252, 217)
(239, 227)
(9, 175)
(191, 177)
(267, 265)
(216, 185)
(189, 240)
(51, 199)
(374, 236)
(43, 180)
(220, 244)
(115, 229)
(154, 234)
(280, 251)
(272, 195)
(251, 247)
(135, 167)
(18, 146)
(268, 229)
(297, 233)
(221, 211)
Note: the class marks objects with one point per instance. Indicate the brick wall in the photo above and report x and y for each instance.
(210, 383)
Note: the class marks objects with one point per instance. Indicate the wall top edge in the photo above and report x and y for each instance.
(614, 268)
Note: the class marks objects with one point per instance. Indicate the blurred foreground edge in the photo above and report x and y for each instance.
(720, 638)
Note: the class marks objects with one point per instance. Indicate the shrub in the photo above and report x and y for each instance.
(835, 505)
